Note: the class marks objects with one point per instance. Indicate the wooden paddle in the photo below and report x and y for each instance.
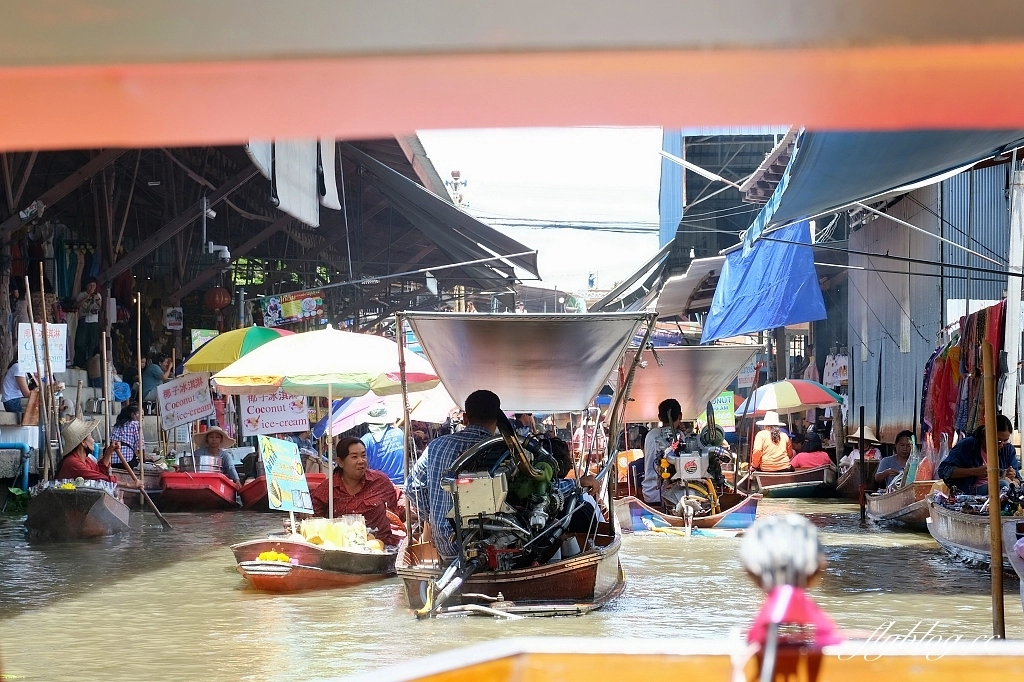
(149, 500)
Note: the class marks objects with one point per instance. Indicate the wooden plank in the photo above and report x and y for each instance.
(63, 188)
(172, 228)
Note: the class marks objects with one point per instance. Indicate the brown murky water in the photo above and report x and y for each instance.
(160, 605)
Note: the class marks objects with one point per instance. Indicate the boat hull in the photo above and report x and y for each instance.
(907, 506)
(312, 567)
(186, 491)
(1011, 534)
(816, 482)
(56, 515)
(630, 512)
(276, 576)
(571, 586)
(129, 493)
(254, 493)
(848, 486)
(966, 536)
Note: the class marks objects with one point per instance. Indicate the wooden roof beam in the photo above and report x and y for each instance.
(172, 228)
(63, 188)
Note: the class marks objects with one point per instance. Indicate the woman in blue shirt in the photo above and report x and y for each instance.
(966, 466)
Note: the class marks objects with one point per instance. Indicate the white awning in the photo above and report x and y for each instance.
(682, 293)
(693, 375)
(535, 363)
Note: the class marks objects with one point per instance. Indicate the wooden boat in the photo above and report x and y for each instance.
(1011, 534)
(312, 566)
(816, 482)
(254, 493)
(907, 506)
(57, 515)
(189, 491)
(572, 586)
(848, 486)
(536, 659)
(966, 536)
(740, 511)
(130, 494)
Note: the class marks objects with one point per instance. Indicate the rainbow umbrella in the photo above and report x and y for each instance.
(222, 350)
(791, 395)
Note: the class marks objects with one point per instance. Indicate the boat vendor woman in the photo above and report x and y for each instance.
(211, 443)
(892, 466)
(966, 466)
(78, 445)
(670, 414)
(358, 489)
(772, 449)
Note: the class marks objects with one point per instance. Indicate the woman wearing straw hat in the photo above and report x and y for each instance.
(772, 449)
(872, 451)
(78, 445)
(211, 443)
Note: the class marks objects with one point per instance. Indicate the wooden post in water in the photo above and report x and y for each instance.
(863, 468)
(994, 518)
(106, 387)
(142, 397)
(43, 424)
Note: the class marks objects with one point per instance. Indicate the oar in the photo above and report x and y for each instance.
(149, 500)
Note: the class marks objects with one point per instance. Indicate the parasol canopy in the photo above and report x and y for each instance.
(790, 395)
(433, 406)
(223, 349)
(325, 362)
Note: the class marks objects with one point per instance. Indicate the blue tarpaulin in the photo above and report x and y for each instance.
(670, 200)
(770, 285)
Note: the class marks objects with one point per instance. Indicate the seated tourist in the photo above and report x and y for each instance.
(358, 489)
(811, 454)
(78, 446)
(966, 466)
(772, 449)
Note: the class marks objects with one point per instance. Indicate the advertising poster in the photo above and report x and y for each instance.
(292, 308)
(725, 412)
(201, 336)
(174, 318)
(184, 400)
(286, 480)
(279, 412)
(745, 379)
(57, 340)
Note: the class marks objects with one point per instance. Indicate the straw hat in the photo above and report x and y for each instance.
(199, 439)
(771, 418)
(76, 431)
(378, 415)
(869, 435)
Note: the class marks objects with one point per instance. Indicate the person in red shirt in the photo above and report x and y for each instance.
(78, 445)
(358, 489)
(811, 454)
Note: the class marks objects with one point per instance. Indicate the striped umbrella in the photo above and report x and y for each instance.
(791, 395)
(222, 350)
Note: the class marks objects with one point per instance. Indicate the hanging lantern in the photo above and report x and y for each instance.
(216, 298)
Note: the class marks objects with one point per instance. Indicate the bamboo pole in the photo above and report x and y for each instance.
(138, 367)
(995, 524)
(54, 410)
(43, 430)
(400, 332)
(106, 385)
(861, 444)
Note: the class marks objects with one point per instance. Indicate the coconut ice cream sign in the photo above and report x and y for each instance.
(279, 412)
(184, 400)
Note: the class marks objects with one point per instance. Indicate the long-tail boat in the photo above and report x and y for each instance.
(816, 482)
(966, 536)
(739, 511)
(308, 566)
(907, 506)
(183, 491)
(848, 486)
(58, 514)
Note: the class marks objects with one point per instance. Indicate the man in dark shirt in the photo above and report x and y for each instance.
(966, 465)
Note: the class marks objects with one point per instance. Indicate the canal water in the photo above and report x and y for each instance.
(168, 605)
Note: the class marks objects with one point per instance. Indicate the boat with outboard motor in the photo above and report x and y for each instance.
(906, 505)
(75, 510)
(815, 482)
(738, 512)
(519, 551)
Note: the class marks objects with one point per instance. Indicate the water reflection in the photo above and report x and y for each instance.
(161, 605)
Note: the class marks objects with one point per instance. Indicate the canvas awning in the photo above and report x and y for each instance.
(535, 363)
(831, 170)
(693, 375)
(691, 291)
(461, 236)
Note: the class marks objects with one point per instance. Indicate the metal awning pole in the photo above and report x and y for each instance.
(995, 521)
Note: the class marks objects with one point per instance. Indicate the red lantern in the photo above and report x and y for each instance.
(217, 298)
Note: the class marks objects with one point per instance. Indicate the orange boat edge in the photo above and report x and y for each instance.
(556, 659)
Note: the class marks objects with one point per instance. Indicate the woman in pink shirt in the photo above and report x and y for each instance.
(811, 455)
